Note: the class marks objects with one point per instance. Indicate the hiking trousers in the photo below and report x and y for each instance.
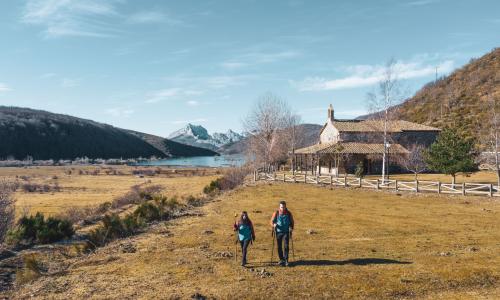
(280, 236)
(244, 247)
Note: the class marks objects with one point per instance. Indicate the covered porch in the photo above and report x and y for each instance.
(333, 158)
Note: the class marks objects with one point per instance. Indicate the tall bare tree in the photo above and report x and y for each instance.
(6, 209)
(492, 134)
(382, 105)
(272, 129)
(415, 160)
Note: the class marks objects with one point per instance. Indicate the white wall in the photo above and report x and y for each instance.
(329, 134)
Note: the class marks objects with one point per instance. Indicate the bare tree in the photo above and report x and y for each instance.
(492, 135)
(415, 160)
(295, 135)
(338, 157)
(272, 129)
(382, 106)
(6, 209)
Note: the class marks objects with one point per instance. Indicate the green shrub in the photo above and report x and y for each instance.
(360, 170)
(213, 187)
(38, 230)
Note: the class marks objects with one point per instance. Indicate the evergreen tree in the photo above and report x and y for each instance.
(451, 153)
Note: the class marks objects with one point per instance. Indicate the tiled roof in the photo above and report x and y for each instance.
(378, 126)
(351, 148)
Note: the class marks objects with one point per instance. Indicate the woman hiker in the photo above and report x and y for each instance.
(246, 235)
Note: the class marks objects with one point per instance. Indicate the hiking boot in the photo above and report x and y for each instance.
(282, 262)
(286, 263)
(243, 263)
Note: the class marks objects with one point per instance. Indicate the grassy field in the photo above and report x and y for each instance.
(89, 190)
(367, 244)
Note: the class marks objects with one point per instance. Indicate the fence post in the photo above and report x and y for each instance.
(416, 186)
(378, 184)
(491, 190)
(397, 189)
(345, 179)
(331, 179)
(360, 184)
(274, 175)
(463, 188)
(439, 187)
(254, 176)
(294, 178)
(284, 176)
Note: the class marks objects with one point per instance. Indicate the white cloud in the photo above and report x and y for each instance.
(149, 17)
(200, 120)
(193, 103)
(71, 17)
(421, 2)
(119, 112)
(366, 75)
(171, 93)
(4, 87)
(68, 82)
(258, 57)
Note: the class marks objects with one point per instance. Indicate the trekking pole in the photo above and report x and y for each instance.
(272, 249)
(235, 240)
(293, 249)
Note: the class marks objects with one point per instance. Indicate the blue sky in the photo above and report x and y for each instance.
(153, 66)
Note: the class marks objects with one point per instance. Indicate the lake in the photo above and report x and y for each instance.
(198, 161)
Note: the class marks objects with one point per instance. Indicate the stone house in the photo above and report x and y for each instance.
(344, 143)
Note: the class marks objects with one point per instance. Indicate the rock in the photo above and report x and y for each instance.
(311, 231)
(223, 254)
(198, 296)
(207, 232)
(472, 249)
(445, 254)
(127, 248)
(257, 211)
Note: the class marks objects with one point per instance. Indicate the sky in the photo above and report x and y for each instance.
(154, 66)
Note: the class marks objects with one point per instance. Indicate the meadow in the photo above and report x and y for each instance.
(348, 243)
(92, 185)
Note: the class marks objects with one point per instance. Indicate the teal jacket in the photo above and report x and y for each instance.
(284, 221)
(245, 231)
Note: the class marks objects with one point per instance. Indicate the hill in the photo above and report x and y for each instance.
(198, 136)
(44, 135)
(309, 133)
(458, 99)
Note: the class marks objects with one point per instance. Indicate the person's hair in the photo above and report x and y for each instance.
(283, 202)
(244, 221)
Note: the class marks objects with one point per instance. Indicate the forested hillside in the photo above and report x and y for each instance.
(44, 135)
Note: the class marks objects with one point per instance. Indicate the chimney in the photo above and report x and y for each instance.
(331, 115)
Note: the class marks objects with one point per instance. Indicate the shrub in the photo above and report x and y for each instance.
(38, 230)
(31, 271)
(360, 170)
(7, 211)
(232, 178)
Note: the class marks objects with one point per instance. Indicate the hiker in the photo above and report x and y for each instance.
(282, 223)
(246, 235)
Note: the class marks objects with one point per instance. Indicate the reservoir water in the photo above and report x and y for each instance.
(198, 161)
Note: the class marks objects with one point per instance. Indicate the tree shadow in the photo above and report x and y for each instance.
(354, 261)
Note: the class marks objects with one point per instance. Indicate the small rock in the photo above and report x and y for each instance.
(257, 211)
(472, 249)
(207, 232)
(445, 254)
(311, 231)
(198, 296)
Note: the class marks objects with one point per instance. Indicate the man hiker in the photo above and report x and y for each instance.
(246, 235)
(282, 223)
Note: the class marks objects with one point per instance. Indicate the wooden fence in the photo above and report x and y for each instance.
(417, 186)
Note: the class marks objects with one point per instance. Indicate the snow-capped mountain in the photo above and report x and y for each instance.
(197, 135)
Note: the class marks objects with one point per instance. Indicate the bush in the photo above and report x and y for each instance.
(38, 230)
(7, 210)
(232, 178)
(360, 170)
(31, 271)
(114, 226)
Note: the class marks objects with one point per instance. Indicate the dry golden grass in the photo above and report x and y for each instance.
(369, 244)
(88, 190)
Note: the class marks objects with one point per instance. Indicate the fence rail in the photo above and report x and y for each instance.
(417, 186)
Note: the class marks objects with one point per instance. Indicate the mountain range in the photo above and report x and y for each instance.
(198, 136)
(44, 135)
